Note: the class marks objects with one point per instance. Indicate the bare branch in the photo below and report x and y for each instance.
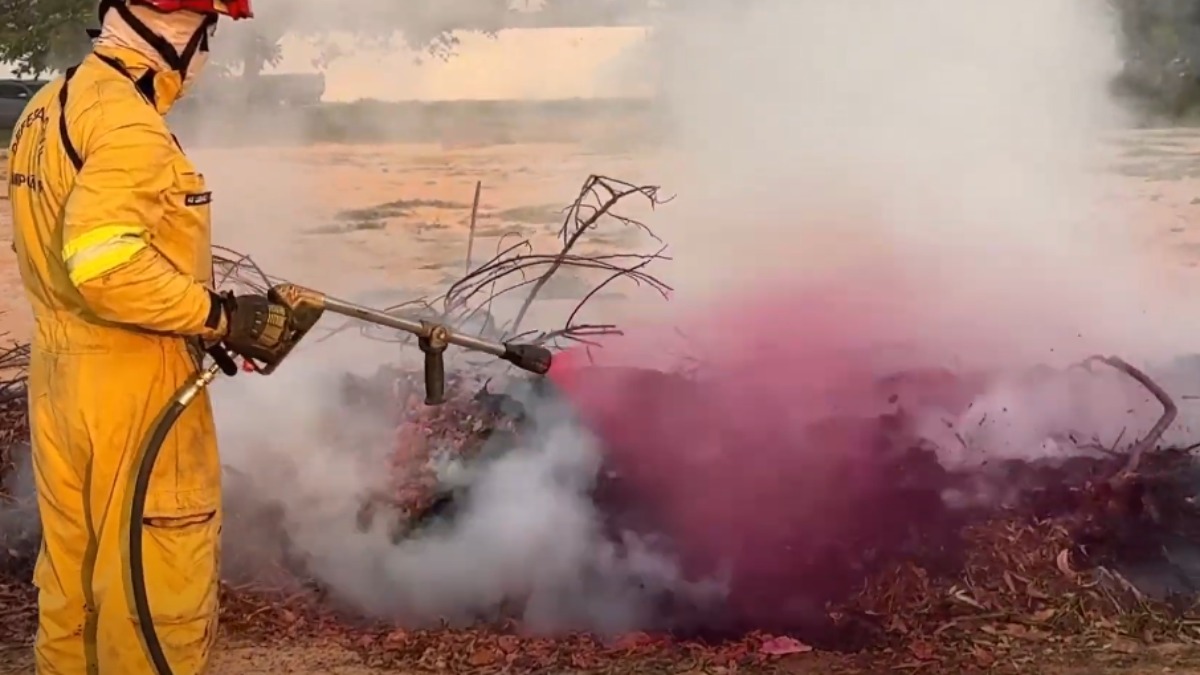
(1156, 432)
(471, 234)
(575, 225)
(516, 265)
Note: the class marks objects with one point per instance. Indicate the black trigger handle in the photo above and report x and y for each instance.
(221, 357)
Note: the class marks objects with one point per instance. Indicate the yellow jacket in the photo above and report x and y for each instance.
(125, 241)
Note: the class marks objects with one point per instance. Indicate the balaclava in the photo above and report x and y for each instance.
(175, 43)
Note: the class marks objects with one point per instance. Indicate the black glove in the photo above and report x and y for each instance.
(256, 327)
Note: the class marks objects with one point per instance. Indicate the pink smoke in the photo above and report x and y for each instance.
(770, 458)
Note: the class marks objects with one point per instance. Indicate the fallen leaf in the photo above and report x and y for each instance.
(1170, 648)
(632, 641)
(1027, 633)
(1063, 562)
(1042, 616)
(485, 657)
(922, 650)
(1008, 581)
(1123, 645)
(782, 646)
(1032, 591)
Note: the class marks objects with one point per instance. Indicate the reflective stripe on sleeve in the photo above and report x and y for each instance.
(101, 250)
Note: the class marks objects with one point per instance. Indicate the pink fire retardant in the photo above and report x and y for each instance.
(767, 462)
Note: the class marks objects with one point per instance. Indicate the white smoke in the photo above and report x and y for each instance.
(961, 149)
(526, 536)
(19, 525)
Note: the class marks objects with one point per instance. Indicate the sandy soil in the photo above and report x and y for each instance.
(344, 218)
(1158, 174)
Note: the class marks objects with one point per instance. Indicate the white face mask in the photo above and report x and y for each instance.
(199, 62)
(178, 29)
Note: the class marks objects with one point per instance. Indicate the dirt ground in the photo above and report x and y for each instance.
(355, 219)
(234, 658)
(241, 658)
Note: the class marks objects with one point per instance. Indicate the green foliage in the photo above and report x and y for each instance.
(41, 35)
(1161, 40)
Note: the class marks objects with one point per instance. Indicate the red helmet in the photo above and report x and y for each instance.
(234, 9)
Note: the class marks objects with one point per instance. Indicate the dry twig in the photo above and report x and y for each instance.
(515, 265)
(471, 234)
(1156, 432)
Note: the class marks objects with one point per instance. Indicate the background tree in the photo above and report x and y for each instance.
(1161, 41)
(45, 35)
(37, 37)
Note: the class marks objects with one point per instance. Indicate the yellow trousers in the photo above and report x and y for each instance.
(89, 414)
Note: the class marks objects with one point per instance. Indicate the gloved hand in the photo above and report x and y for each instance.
(255, 326)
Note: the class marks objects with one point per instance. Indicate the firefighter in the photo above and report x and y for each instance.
(112, 235)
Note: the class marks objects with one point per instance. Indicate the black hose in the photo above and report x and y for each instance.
(137, 510)
(141, 488)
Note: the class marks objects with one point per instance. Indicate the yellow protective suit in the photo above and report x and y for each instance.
(111, 225)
